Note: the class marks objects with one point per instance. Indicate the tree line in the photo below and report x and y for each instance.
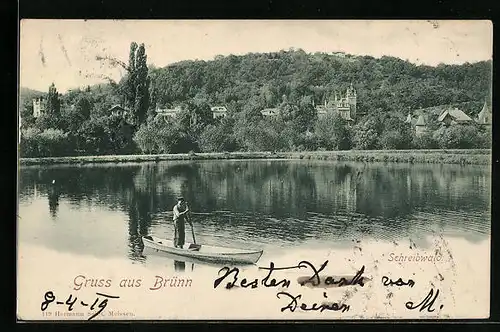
(80, 122)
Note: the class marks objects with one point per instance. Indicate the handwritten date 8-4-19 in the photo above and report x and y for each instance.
(71, 301)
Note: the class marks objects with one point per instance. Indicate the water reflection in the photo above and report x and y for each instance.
(179, 266)
(53, 198)
(182, 263)
(268, 203)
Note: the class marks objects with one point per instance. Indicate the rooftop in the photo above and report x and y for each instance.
(420, 121)
(114, 107)
(218, 109)
(484, 116)
(456, 114)
(273, 110)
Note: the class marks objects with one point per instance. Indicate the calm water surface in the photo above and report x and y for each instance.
(103, 210)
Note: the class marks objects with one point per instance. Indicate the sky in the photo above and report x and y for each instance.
(64, 51)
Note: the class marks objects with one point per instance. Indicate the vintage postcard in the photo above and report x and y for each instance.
(241, 170)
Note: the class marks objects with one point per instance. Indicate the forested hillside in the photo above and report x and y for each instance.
(388, 83)
(26, 96)
(387, 89)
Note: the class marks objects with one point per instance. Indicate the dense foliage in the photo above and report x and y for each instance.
(80, 122)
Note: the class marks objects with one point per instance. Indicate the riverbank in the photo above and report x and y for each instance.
(472, 156)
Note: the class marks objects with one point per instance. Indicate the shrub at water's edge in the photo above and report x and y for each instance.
(473, 156)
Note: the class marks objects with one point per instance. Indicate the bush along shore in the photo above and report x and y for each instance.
(472, 156)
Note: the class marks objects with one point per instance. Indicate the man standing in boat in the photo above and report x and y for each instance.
(180, 216)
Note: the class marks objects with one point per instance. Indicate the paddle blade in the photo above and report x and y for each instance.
(194, 247)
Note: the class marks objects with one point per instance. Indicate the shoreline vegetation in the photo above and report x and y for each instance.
(433, 156)
(289, 101)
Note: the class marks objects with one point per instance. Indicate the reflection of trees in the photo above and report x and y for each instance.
(53, 196)
(179, 266)
(139, 220)
(141, 203)
(280, 189)
(268, 199)
(106, 185)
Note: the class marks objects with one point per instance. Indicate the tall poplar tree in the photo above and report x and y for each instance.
(142, 85)
(130, 85)
(53, 104)
(153, 99)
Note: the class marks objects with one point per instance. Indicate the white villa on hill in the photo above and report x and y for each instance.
(118, 110)
(219, 111)
(270, 111)
(168, 112)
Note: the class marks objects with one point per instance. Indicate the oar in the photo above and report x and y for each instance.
(193, 246)
(192, 233)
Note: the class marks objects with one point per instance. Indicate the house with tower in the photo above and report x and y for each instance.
(484, 117)
(39, 106)
(444, 117)
(343, 104)
(418, 122)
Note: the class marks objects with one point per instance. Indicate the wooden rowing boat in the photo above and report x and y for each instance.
(204, 252)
